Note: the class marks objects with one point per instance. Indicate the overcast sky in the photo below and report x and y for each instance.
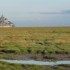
(37, 12)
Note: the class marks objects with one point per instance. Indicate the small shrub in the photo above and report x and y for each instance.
(29, 50)
(44, 52)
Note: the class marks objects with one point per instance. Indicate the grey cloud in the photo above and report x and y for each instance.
(45, 13)
(61, 12)
(49, 12)
(66, 11)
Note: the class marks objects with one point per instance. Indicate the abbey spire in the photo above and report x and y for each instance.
(4, 22)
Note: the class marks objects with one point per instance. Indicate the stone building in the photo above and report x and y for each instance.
(4, 22)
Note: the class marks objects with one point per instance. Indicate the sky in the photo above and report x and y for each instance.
(36, 12)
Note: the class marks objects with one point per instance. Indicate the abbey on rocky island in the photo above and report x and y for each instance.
(4, 22)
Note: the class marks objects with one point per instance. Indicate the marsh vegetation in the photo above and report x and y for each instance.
(38, 43)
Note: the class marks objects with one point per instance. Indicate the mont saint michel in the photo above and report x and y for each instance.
(4, 22)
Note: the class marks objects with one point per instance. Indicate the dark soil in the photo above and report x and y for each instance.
(49, 57)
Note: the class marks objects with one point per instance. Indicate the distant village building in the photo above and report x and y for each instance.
(4, 22)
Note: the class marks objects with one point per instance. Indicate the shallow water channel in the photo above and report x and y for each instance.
(33, 62)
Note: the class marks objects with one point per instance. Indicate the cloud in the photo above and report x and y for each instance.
(49, 12)
(66, 12)
(61, 12)
(45, 13)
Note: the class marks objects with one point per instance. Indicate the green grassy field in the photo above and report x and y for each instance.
(23, 40)
(41, 40)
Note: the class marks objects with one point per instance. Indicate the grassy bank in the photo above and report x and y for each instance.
(45, 41)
